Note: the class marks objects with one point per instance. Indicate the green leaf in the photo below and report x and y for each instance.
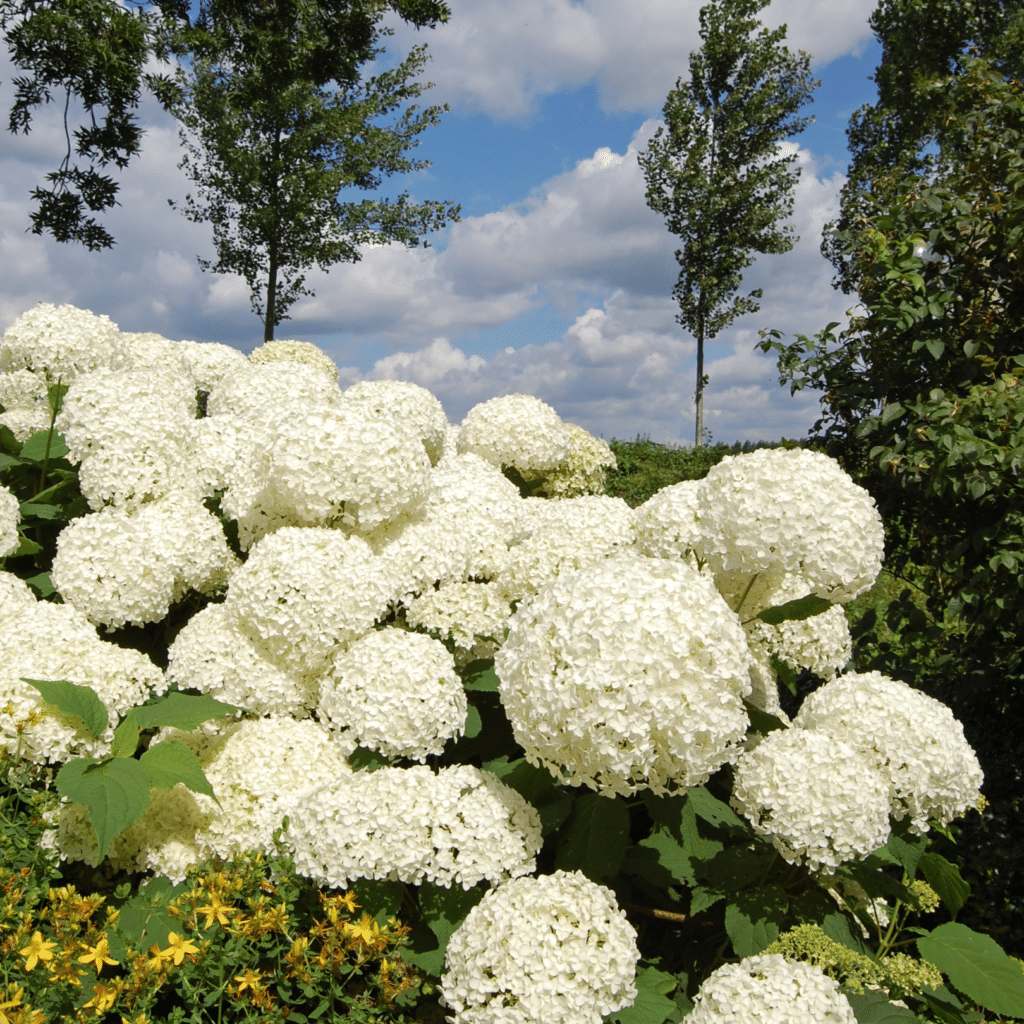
(935, 346)
(652, 1005)
(362, 757)
(26, 547)
(945, 879)
(171, 762)
(480, 675)
(977, 967)
(444, 909)
(474, 723)
(711, 809)
(784, 671)
(530, 782)
(126, 739)
(875, 1008)
(660, 860)
(945, 1006)
(75, 702)
(34, 449)
(754, 917)
(595, 839)
(761, 720)
(380, 899)
(36, 510)
(116, 792)
(800, 608)
(180, 711)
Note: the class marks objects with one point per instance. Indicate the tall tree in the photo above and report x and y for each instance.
(95, 50)
(279, 147)
(720, 176)
(907, 130)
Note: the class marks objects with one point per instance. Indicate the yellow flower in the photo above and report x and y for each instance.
(367, 929)
(176, 949)
(104, 996)
(37, 950)
(349, 900)
(249, 979)
(215, 910)
(98, 954)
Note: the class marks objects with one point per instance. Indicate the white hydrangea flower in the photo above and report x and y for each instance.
(814, 796)
(210, 362)
(516, 430)
(329, 465)
(257, 768)
(792, 511)
(14, 593)
(130, 430)
(628, 674)
(296, 351)
(566, 534)
(213, 653)
(265, 387)
(460, 826)
(539, 950)
(154, 352)
(41, 640)
(462, 612)
(821, 643)
(393, 691)
(10, 516)
(26, 407)
(305, 589)
(410, 405)
(911, 738)
(769, 989)
(667, 525)
(450, 442)
(61, 341)
(584, 469)
(123, 565)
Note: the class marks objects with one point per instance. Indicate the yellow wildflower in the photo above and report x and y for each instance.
(249, 979)
(104, 995)
(216, 910)
(98, 954)
(367, 929)
(37, 950)
(176, 949)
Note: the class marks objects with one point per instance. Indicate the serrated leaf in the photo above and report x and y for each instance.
(977, 966)
(945, 879)
(126, 739)
(26, 547)
(761, 720)
(74, 702)
(595, 838)
(875, 1008)
(171, 762)
(704, 897)
(530, 782)
(378, 898)
(652, 1005)
(660, 860)
(41, 511)
(800, 608)
(180, 711)
(116, 792)
(362, 757)
(784, 671)
(474, 723)
(42, 584)
(444, 909)
(945, 1007)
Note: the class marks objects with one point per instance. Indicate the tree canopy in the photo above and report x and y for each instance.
(719, 176)
(95, 50)
(279, 147)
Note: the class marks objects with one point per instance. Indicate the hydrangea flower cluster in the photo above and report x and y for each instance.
(516, 430)
(821, 643)
(130, 564)
(462, 612)
(911, 738)
(393, 691)
(61, 341)
(764, 510)
(41, 640)
(814, 796)
(258, 768)
(770, 990)
(629, 673)
(10, 516)
(409, 405)
(129, 429)
(667, 524)
(584, 469)
(459, 826)
(556, 948)
(26, 409)
(296, 352)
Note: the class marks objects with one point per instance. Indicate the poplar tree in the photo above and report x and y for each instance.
(279, 147)
(719, 175)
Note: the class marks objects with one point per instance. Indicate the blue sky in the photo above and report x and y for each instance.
(557, 281)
